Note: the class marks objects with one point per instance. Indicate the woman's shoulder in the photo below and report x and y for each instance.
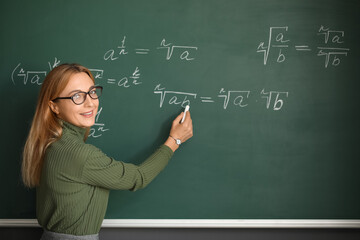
(73, 154)
(66, 146)
(71, 144)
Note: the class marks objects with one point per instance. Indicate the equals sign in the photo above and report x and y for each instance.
(302, 48)
(207, 99)
(111, 81)
(142, 51)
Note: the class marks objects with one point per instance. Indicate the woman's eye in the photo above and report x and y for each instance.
(76, 96)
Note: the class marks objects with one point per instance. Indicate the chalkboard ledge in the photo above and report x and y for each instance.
(205, 223)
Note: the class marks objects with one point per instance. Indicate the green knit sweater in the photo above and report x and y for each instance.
(76, 177)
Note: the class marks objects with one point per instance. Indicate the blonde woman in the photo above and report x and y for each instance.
(72, 178)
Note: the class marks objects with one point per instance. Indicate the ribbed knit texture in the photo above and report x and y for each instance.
(76, 177)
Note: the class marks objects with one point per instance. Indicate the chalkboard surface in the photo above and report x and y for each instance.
(273, 88)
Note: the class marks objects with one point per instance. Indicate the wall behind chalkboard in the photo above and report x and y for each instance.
(272, 85)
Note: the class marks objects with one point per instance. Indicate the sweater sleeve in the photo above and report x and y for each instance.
(103, 171)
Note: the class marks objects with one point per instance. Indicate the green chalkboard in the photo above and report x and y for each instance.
(273, 88)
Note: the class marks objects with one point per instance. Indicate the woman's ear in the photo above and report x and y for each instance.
(54, 107)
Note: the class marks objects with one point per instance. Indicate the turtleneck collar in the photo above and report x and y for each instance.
(78, 131)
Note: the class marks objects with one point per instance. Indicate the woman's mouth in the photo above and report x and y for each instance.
(87, 114)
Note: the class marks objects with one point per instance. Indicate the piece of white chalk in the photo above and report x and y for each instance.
(186, 109)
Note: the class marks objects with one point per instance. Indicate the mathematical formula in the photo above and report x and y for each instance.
(98, 128)
(180, 51)
(25, 77)
(332, 49)
(274, 100)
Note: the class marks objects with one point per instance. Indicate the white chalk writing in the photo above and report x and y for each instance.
(98, 128)
(182, 52)
(238, 98)
(278, 43)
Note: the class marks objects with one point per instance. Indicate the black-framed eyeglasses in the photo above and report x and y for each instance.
(80, 97)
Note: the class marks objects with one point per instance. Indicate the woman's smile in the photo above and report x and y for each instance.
(87, 114)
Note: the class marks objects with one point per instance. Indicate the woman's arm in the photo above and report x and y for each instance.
(102, 171)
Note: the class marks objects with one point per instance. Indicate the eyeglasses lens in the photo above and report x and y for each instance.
(80, 97)
(95, 92)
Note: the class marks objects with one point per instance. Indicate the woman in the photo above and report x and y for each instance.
(72, 178)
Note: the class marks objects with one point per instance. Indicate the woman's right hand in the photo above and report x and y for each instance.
(182, 131)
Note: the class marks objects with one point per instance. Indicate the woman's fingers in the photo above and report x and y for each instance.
(184, 130)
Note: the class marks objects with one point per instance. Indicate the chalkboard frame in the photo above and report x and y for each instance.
(204, 223)
(262, 34)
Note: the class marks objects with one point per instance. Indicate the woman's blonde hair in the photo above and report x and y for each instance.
(46, 127)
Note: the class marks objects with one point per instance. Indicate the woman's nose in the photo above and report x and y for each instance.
(89, 102)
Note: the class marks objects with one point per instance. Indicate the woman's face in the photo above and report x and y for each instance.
(82, 115)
